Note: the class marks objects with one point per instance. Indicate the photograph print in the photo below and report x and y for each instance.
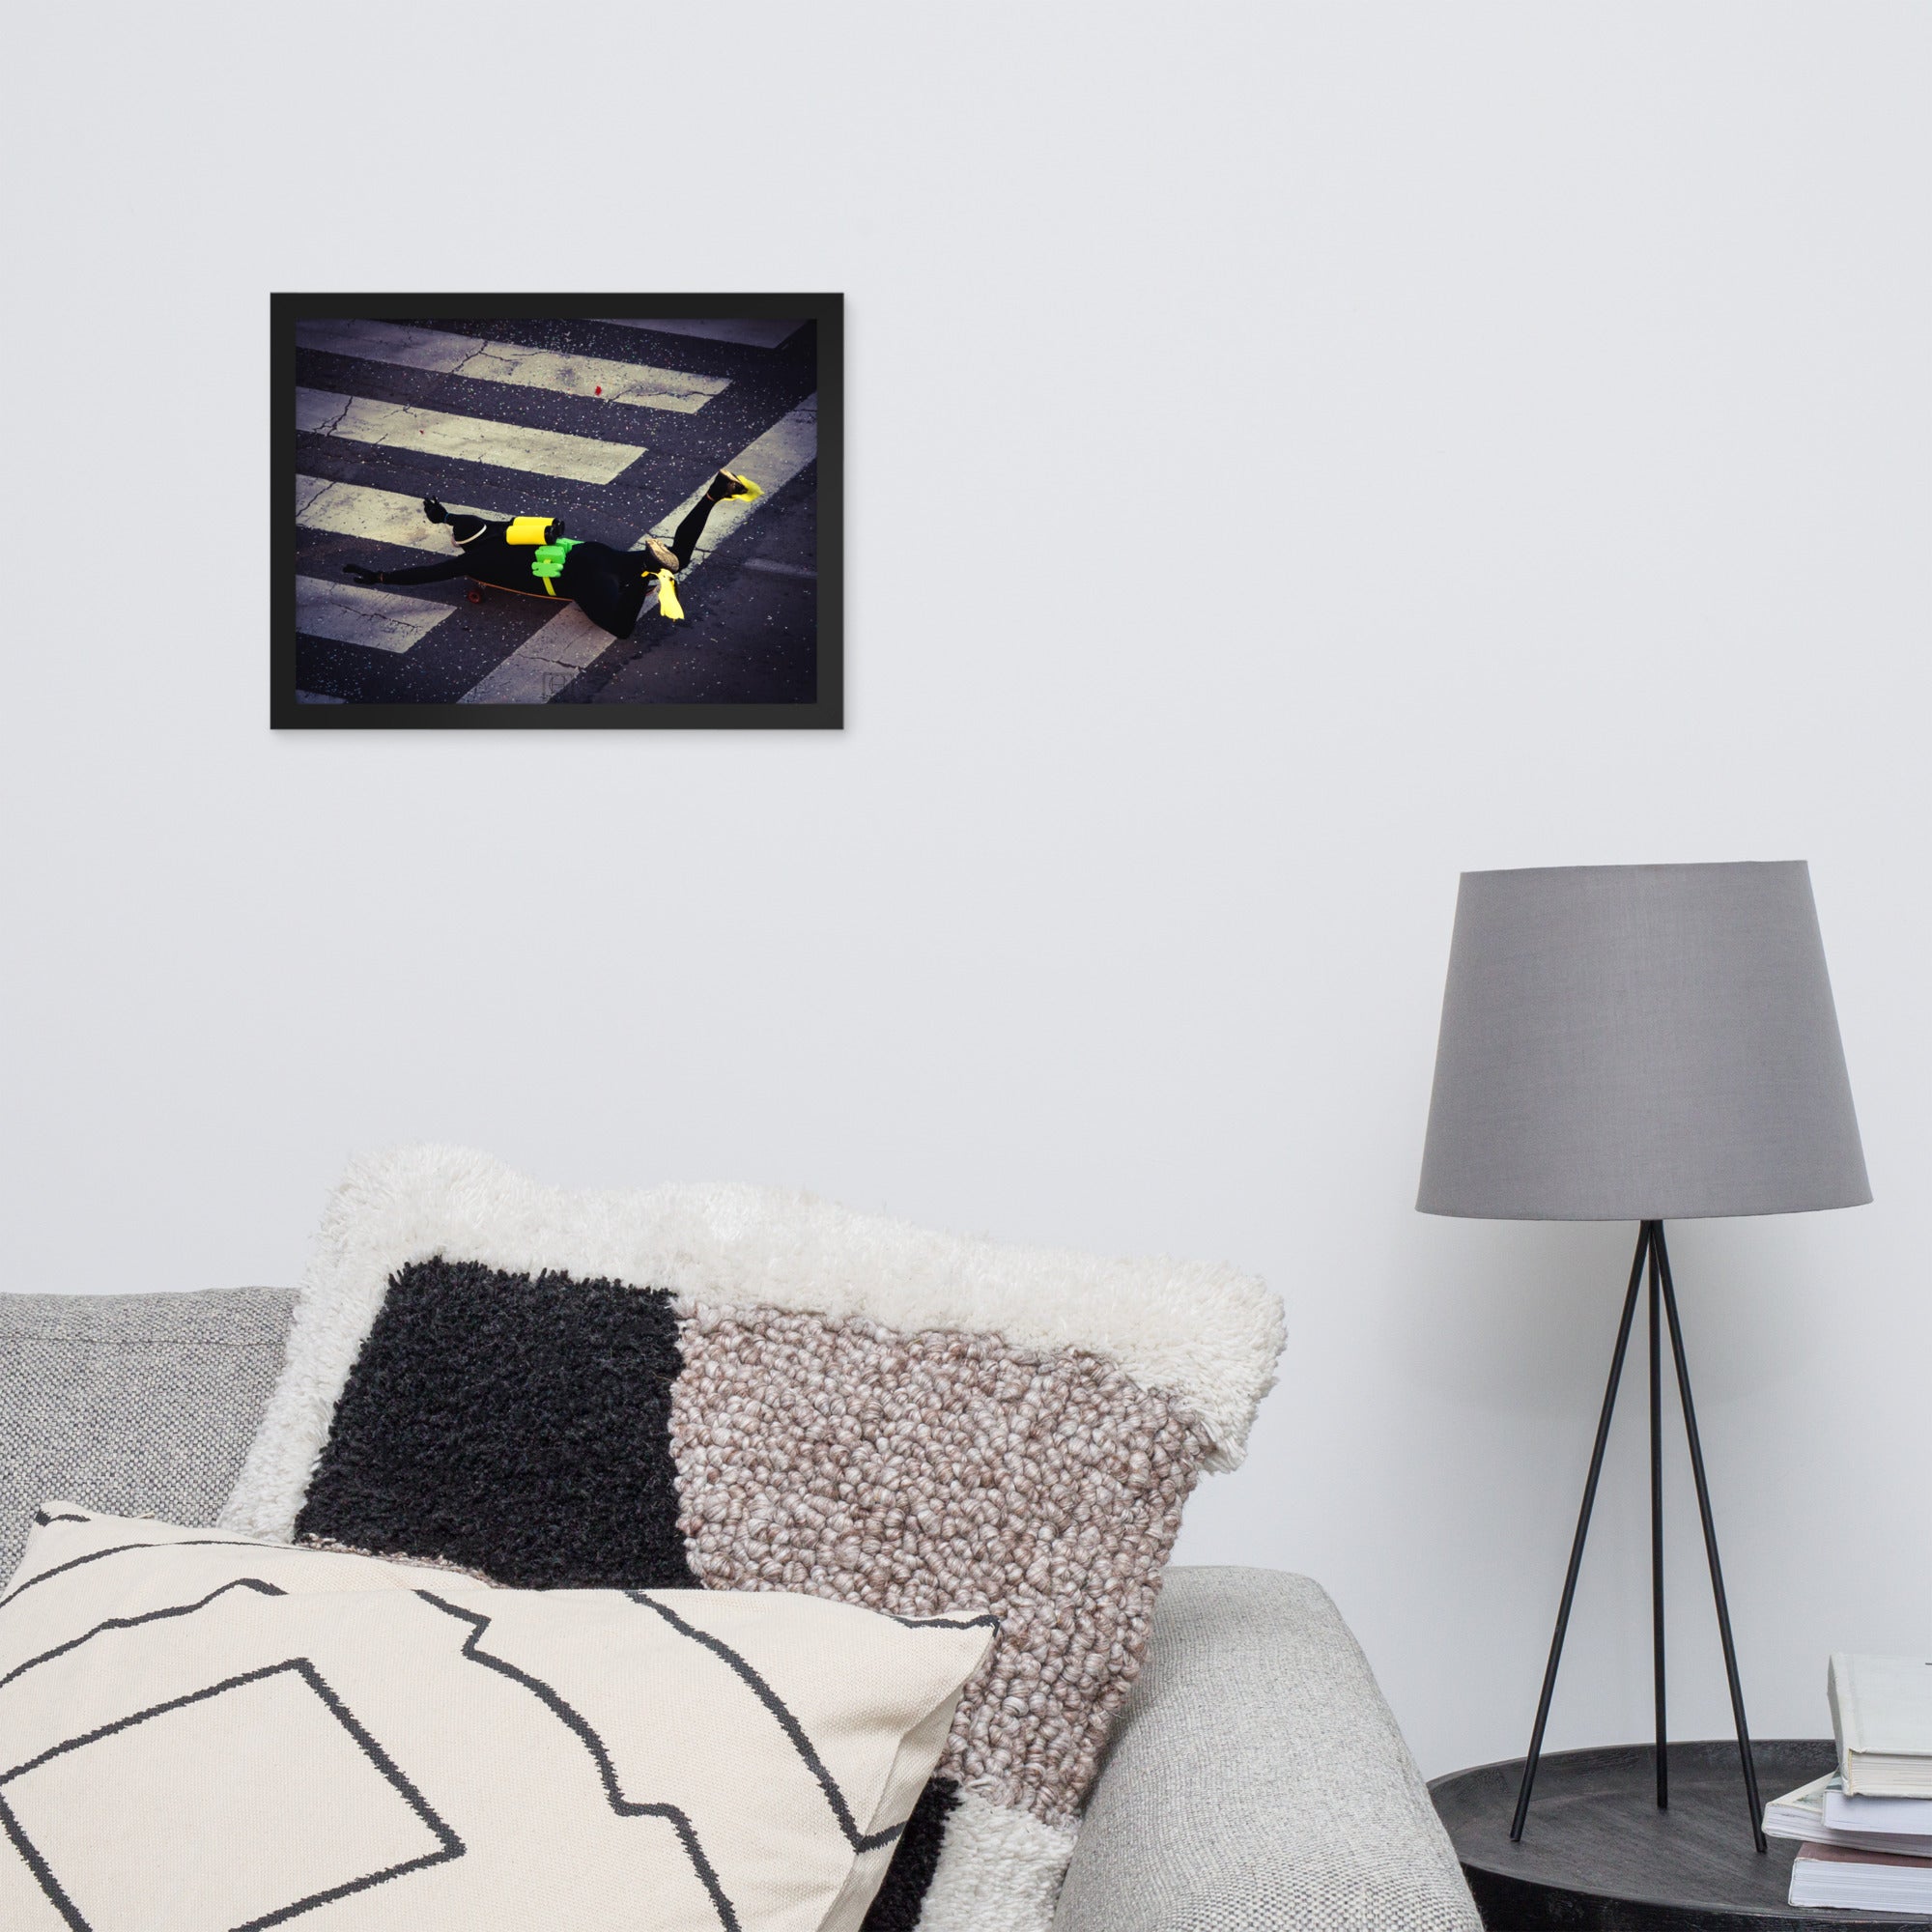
(556, 511)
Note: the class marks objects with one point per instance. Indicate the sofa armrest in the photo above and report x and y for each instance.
(1257, 1780)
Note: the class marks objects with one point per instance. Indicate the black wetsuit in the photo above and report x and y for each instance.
(607, 585)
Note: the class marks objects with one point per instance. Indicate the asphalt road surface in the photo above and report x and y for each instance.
(615, 427)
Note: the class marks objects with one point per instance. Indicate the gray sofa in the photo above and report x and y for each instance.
(1255, 1779)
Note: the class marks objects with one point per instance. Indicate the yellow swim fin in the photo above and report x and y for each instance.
(667, 595)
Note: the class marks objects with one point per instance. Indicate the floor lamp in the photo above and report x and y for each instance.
(1640, 1044)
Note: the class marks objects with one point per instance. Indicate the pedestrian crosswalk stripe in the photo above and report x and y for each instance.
(318, 697)
(540, 667)
(377, 516)
(355, 614)
(771, 462)
(547, 453)
(752, 330)
(448, 355)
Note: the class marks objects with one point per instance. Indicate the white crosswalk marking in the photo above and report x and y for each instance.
(771, 462)
(547, 453)
(433, 348)
(378, 516)
(357, 614)
(752, 330)
(539, 668)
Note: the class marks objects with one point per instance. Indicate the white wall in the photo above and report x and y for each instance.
(1295, 454)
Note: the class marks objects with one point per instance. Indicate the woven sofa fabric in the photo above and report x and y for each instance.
(198, 1730)
(1257, 1780)
(142, 1405)
(850, 1408)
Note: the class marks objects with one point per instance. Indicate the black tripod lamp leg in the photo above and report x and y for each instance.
(1711, 1544)
(1582, 1531)
(1656, 1517)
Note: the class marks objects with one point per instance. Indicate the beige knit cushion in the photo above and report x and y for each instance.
(200, 1733)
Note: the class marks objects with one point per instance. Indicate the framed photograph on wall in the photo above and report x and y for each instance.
(556, 511)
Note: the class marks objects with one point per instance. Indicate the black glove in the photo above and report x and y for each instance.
(360, 574)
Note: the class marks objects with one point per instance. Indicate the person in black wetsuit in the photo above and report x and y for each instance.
(607, 585)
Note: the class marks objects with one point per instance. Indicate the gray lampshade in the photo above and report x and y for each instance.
(1640, 1042)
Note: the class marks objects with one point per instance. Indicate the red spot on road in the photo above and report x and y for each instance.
(600, 388)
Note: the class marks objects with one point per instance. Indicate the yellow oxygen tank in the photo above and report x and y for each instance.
(529, 530)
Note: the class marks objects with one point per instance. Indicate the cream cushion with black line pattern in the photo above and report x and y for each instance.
(200, 1732)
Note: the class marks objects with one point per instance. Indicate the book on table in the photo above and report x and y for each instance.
(1859, 1881)
(1882, 1718)
(1820, 1813)
(1900, 1818)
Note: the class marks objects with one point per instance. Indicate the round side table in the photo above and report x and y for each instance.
(1598, 1856)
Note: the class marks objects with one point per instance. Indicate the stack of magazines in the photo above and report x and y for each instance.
(1865, 1829)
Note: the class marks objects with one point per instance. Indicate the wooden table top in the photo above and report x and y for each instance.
(1598, 1856)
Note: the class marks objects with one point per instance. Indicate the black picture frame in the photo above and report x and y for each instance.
(825, 711)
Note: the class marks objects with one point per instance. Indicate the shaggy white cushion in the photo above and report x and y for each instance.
(753, 1389)
(200, 1733)
(1204, 1332)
